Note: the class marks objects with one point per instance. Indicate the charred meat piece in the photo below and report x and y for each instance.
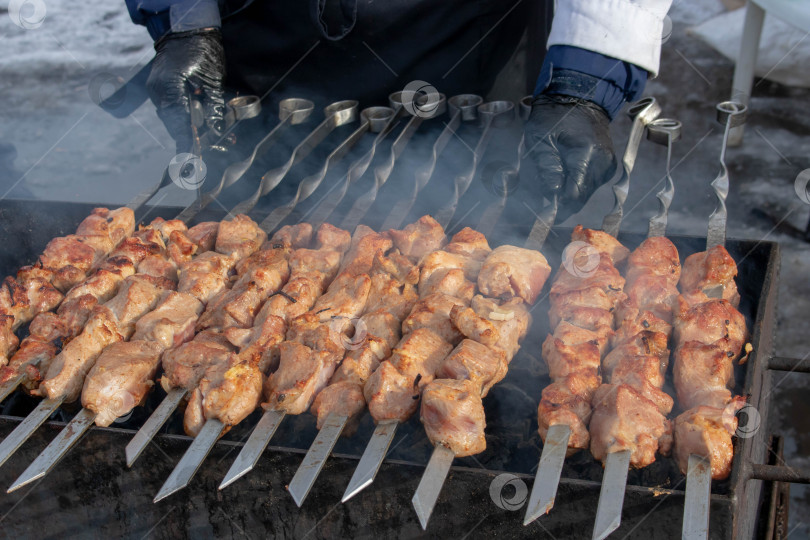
(172, 322)
(453, 416)
(419, 238)
(513, 271)
(120, 379)
(239, 237)
(712, 270)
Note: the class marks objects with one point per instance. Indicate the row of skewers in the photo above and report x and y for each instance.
(342, 322)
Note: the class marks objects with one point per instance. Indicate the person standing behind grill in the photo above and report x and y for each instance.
(600, 54)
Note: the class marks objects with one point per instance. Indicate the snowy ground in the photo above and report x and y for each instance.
(69, 149)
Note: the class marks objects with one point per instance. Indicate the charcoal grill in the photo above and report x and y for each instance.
(93, 493)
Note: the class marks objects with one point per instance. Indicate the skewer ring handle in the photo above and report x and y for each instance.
(664, 130)
(732, 112)
(296, 109)
(342, 112)
(646, 110)
(466, 104)
(498, 113)
(377, 117)
(245, 107)
(428, 105)
(526, 107)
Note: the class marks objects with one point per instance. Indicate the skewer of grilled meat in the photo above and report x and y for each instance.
(584, 297)
(630, 411)
(452, 410)
(710, 334)
(66, 260)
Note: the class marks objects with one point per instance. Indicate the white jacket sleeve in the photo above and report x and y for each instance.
(629, 30)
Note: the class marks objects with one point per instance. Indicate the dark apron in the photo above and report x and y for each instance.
(328, 50)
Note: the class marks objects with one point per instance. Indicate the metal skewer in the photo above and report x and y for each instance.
(373, 119)
(663, 131)
(192, 459)
(501, 179)
(153, 424)
(462, 108)
(56, 450)
(291, 112)
(337, 114)
(237, 109)
(642, 112)
(383, 172)
(555, 447)
(492, 114)
(699, 473)
(27, 427)
(432, 481)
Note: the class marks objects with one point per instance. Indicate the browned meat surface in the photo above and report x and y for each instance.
(442, 260)
(71, 257)
(296, 297)
(229, 391)
(710, 322)
(475, 362)
(115, 224)
(514, 271)
(239, 237)
(449, 281)
(381, 324)
(602, 242)
(453, 416)
(703, 374)
(204, 235)
(293, 236)
(8, 340)
(137, 247)
(469, 242)
(330, 237)
(185, 365)
(474, 326)
(584, 296)
(707, 431)
(510, 318)
(158, 266)
(312, 261)
(433, 313)
(623, 419)
(172, 322)
(412, 364)
(346, 297)
(103, 283)
(137, 296)
(32, 359)
(419, 238)
(24, 300)
(205, 276)
(366, 245)
(120, 379)
(301, 374)
(259, 344)
(166, 228)
(712, 269)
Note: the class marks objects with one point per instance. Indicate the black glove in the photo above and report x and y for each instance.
(187, 63)
(567, 138)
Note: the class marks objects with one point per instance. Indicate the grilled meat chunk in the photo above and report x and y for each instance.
(120, 379)
(419, 238)
(602, 242)
(302, 373)
(239, 237)
(709, 271)
(172, 322)
(706, 431)
(475, 362)
(513, 271)
(185, 365)
(453, 416)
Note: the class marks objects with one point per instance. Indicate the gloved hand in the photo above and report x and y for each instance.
(186, 63)
(568, 139)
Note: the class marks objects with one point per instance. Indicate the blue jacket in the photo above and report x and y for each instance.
(567, 70)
